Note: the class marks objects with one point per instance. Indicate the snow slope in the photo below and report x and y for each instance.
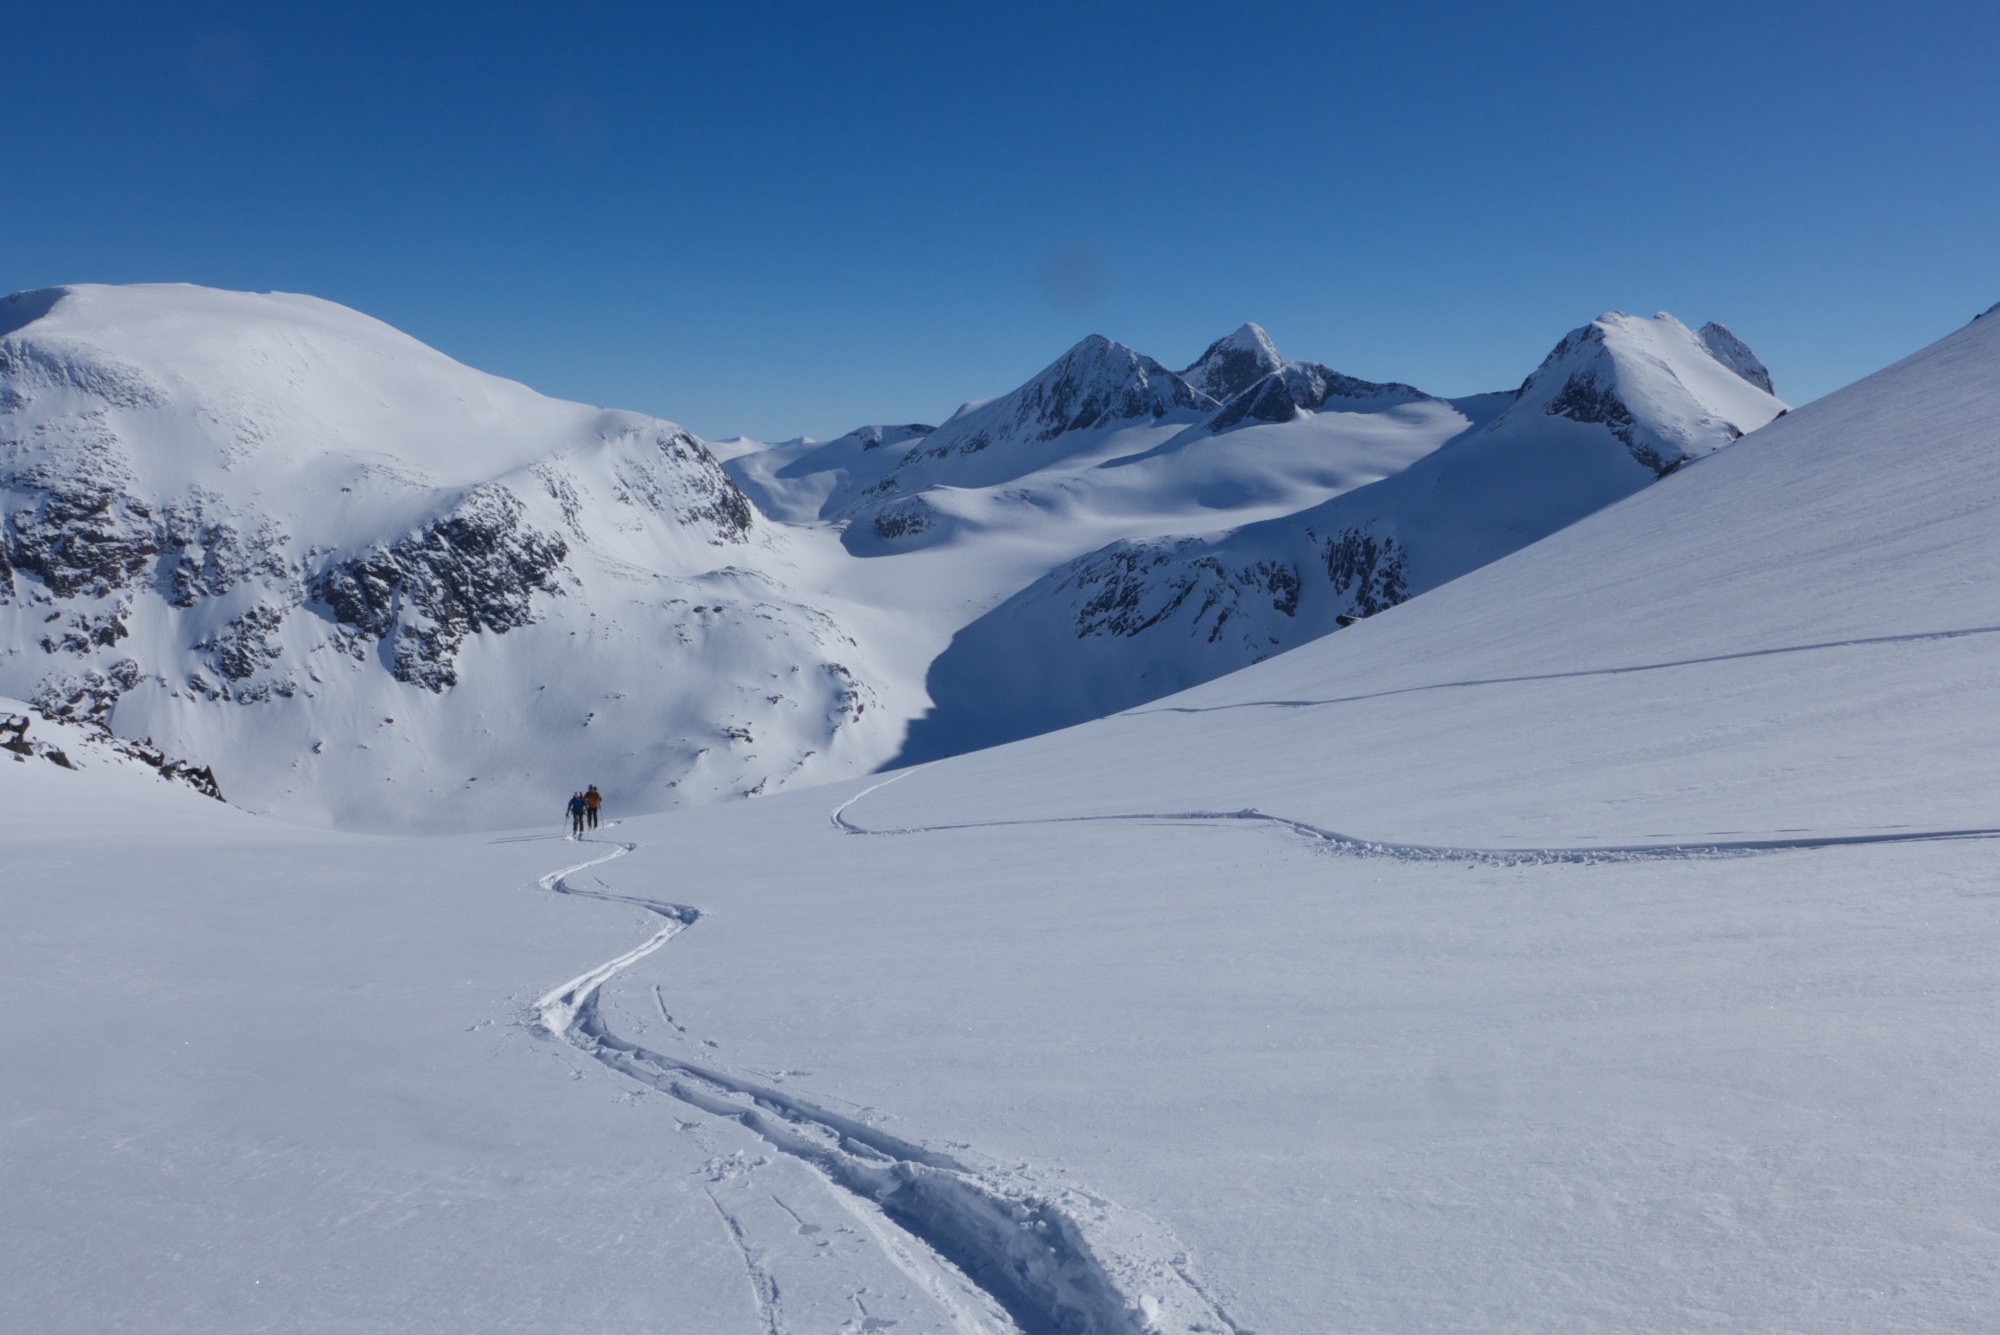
(1573, 948)
(376, 588)
(1617, 404)
(1602, 941)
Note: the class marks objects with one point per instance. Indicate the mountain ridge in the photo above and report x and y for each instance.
(358, 578)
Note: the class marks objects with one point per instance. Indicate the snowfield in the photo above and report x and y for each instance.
(1602, 940)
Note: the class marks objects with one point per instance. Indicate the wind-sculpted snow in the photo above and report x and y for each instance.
(1044, 1257)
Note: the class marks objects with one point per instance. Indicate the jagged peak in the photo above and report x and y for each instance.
(1234, 362)
(1097, 383)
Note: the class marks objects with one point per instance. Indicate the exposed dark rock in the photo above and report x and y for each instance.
(88, 697)
(1233, 363)
(696, 490)
(851, 695)
(1735, 354)
(210, 556)
(904, 519)
(89, 630)
(14, 737)
(1308, 386)
(473, 570)
(1373, 573)
(248, 644)
(1584, 399)
(1094, 384)
(77, 536)
(1140, 585)
(875, 437)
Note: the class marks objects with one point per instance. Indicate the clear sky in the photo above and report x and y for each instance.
(778, 219)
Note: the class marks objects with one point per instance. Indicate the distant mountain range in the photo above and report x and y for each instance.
(369, 586)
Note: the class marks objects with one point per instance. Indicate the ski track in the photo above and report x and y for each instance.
(998, 1256)
(763, 1289)
(994, 1257)
(1335, 841)
(1915, 637)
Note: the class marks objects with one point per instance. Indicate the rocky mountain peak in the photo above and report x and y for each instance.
(1667, 393)
(1097, 383)
(1233, 363)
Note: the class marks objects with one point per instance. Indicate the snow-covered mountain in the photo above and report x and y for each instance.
(367, 584)
(1616, 405)
(372, 587)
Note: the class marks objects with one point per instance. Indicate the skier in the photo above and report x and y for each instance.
(577, 807)
(592, 800)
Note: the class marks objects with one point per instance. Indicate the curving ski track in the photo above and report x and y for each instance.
(1335, 841)
(1622, 670)
(995, 1257)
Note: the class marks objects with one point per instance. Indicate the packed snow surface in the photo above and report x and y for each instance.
(1601, 941)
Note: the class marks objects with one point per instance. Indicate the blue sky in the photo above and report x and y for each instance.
(794, 218)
